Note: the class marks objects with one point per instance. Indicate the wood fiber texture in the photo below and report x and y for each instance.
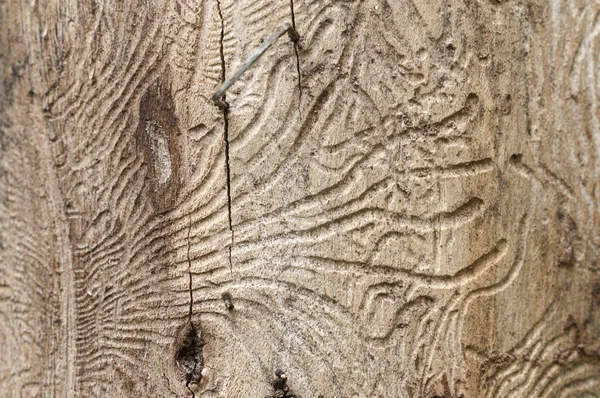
(405, 203)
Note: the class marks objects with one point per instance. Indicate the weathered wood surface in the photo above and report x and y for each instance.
(406, 204)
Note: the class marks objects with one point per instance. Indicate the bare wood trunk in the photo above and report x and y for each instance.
(405, 203)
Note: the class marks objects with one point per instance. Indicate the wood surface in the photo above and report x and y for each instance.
(405, 203)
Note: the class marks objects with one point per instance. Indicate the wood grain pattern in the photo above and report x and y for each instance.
(403, 204)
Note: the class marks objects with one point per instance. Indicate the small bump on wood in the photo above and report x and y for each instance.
(228, 301)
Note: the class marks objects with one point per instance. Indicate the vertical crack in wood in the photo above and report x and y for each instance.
(192, 335)
(296, 44)
(190, 389)
(226, 131)
(189, 355)
(190, 273)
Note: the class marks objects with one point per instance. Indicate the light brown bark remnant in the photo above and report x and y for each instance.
(418, 217)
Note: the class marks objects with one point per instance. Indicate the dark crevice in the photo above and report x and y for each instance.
(226, 130)
(189, 357)
(221, 49)
(190, 273)
(296, 51)
(190, 390)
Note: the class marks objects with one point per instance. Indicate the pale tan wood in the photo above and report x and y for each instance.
(405, 203)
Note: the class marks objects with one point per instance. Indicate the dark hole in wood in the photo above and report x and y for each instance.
(189, 356)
